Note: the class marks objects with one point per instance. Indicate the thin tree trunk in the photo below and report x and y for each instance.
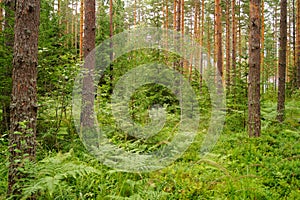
(208, 39)
(22, 137)
(298, 44)
(167, 15)
(254, 124)
(111, 33)
(76, 28)
(234, 42)
(262, 56)
(293, 77)
(1, 16)
(81, 29)
(218, 37)
(178, 22)
(276, 49)
(174, 15)
(134, 13)
(228, 45)
(239, 33)
(282, 60)
(182, 16)
(201, 41)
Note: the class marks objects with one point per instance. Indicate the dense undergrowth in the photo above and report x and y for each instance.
(239, 167)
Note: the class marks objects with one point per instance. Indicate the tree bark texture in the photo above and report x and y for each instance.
(282, 61)
(23, 114)
(88, 94)
(254, 124)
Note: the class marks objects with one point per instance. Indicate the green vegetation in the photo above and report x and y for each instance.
(238, 167)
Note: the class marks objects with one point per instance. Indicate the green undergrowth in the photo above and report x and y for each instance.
(238, 167)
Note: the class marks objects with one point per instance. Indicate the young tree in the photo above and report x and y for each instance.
(254, 125)
(22, 137)
(282, 60)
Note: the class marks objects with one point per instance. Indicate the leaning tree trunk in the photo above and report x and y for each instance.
(22, 137)
(254, 124)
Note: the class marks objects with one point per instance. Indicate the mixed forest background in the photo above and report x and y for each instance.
(255, 46)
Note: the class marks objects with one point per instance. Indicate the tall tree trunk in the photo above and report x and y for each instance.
(75, 26)
(228, 45)
(182, 16)
(293, 77)
(22, 137)
(262, 56)
(201, 41)
(174, 15)
(254, 125)
(298, 44)
(167, 15)
(218, 37)
(282, 60)
(1, 16)
(81, 29)
(234, 42)
(239, 32)
(275, 49)
(134, 13)
(178, 20)
(87, 114)
(59, 11)
(208, 39)
(111, 33)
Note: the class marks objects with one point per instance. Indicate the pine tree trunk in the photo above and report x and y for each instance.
(81, 29)
(178, 22)
(254, 124)
(87, 114)
(218, 37)
(174, 15)
(293, 77)
(1, 16)
(22, 137)
(167, 15)
(298, 44)
(282, 60)
(275, 49)
(228, 45)
(262, 56)
(234, 42)
(111, 33)
(182, 16)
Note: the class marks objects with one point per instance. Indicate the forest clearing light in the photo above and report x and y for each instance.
(97, 142)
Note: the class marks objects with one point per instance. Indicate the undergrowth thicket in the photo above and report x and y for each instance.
(239, 167)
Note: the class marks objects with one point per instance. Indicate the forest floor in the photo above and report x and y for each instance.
(238, 167)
